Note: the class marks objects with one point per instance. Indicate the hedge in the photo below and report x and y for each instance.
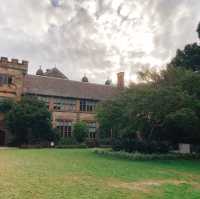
(144, 157)
(75, 146)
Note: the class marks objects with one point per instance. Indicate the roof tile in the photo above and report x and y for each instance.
(52, 86)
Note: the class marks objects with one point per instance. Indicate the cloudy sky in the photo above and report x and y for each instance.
(96, 37)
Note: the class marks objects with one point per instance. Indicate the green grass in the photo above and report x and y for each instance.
(79, 173)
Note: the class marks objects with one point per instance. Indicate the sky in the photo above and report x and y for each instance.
(97, 37)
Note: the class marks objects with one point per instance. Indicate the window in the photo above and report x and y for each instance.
(87, 105)
(70, 105)
(5, 79)
(64, 127)
(92, 130)
(61, 104)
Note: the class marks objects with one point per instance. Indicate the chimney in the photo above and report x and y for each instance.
(120, 80)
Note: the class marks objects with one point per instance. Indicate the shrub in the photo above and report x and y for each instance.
(145, 157)
(80, 131)
(73, 146)
(29, 121)
(117, 145)
(142, 146)
(67, 141)
(6, 105)
(195, 148)
(92, 143)
(105, 142)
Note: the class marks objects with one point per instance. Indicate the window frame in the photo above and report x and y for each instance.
(65, 127)
(5, 79)
(92, 130)
(87, 105)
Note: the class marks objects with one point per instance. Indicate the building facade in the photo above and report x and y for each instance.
(69, 101)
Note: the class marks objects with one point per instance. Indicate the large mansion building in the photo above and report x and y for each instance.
(69, 101)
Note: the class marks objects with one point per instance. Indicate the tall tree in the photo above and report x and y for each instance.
(198, 30)
(189, 57)
(146, 111)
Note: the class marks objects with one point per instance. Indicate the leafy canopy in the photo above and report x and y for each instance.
(80, 131)
(143, 111)
(188, 58)
(29, 121)
(198, 30)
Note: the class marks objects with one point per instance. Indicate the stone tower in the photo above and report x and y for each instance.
(12, 78)
(11, 87)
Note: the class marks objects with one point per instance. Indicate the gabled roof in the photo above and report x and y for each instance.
(50, 86)
(54, 72)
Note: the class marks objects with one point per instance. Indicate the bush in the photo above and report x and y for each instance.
(92, 143)
(29, 121)
(72, 146)
(145, 157)
(133, 145)
(80, 131)
(6, 105)
(105, 142)
(195, 148)
(67, 141)
(117, 145)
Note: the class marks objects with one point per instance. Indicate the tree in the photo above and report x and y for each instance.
(188, 58)
(30, 122)
(182, 126)
(198, 30)
(140, 111)
(6, 105)
(80, 131)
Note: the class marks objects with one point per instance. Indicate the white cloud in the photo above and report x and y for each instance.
(96, 37)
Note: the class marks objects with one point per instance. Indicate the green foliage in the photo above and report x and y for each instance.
(72, 146)
(146, 157)
(67, 141)
(80, 131)
(6, 105)
(198, 30)
(30, 122)
(165, 108)
(188, 58)
(182, 125)
(141, 146)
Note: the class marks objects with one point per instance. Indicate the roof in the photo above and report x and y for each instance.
(51, 86)
(54, 72)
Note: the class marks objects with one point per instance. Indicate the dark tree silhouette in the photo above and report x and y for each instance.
(189, 57)
(198, 30)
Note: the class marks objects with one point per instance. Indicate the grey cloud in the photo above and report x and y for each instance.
(176, 25)
(97, 37)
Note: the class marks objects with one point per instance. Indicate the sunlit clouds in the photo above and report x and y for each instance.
(97, 37)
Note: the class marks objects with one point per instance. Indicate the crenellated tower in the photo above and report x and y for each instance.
(12, 74)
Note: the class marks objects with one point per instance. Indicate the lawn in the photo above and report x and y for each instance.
(74, 174)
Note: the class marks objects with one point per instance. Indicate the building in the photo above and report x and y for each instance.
(69, 101)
